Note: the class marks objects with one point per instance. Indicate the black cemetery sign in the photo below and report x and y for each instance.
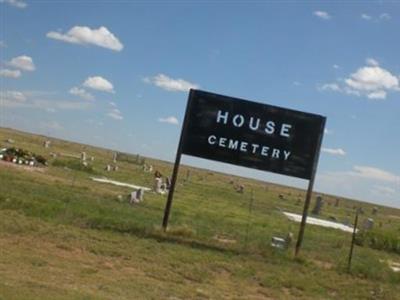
(250, 134)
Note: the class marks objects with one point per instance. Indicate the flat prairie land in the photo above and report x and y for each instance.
(65, 236)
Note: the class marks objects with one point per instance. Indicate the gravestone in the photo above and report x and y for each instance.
(115, 168)
(368, 224)
(136, 196)
(158, 185)
(46, 144)
(278, 242)
(83, 156)
(167, 183)
(289, 239)
(108, 168)
(115, 154)
(374, 210)
(318, 205)
(282, 243)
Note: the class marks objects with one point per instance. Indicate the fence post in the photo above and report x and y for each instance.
(352, 241)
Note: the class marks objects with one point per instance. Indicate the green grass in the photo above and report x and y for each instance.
(64, 236)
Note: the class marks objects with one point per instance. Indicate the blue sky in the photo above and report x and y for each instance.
(117, 74)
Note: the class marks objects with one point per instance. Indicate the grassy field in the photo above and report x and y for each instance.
(64, 236)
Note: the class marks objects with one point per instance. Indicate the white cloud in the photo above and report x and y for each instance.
(53, 125)
(50, 110)
(385, 190)
(94, 122)
(338, 151)
(83, 35)
(99, 83)
(377, 95)
(371, 81)
(372, 62)
(81, 93)
(12, 98)
(336, 66)
(22, 62)
(40, 100)
(376, 19)
(15, 3)
(115, 114)
(366, 17)
(385, 16)
(374, 173)
(330, 87)
(322, 15)
(361, 182)
(52, 105)
(10, 73)
(170, 84)
(170, 120)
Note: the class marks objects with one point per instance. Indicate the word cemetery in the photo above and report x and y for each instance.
(238, 121)
(252, 148)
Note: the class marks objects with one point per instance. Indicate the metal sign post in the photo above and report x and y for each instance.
(176, 166)
(309, 192)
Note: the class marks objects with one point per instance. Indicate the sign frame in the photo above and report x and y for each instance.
(179, 153)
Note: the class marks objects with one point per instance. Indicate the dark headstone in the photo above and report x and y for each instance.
(374, 210)
(318, 205)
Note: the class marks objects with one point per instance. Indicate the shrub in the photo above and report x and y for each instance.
(380, 240)
(73, 165)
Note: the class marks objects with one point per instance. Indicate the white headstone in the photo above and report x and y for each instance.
(278, 242)
(136, 196)
(368, 224)
(157, 185)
